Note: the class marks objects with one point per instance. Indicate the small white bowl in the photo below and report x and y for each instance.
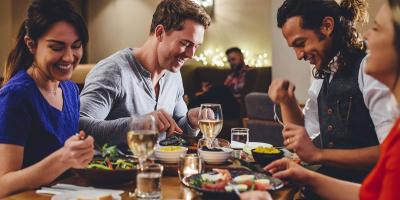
(216, 157)
(169, 156)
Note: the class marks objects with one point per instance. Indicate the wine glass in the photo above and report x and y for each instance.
(210, 121)
(142, 137)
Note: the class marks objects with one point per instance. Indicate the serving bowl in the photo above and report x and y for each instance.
(98, 176)
(169, 154)
(264, 158)
(215, 157)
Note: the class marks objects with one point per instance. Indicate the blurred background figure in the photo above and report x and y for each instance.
(236, 79)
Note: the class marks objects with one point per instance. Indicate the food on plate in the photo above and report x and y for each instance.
(205, 148)
(107, 164)
(171, 148)
(262, 184)
(221, 180)
(174, 141)
(244, 178)
(169, 154)
(240, 187)
(110, 160)
(267, 150)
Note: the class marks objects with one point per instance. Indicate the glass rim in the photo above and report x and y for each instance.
(153, 165)
(240, 129)
(189, 155)
(210, 104)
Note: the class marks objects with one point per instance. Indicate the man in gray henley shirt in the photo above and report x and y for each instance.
(146, 80)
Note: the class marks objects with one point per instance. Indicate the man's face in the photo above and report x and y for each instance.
(177, 46)
(307, 44)
(235, 59)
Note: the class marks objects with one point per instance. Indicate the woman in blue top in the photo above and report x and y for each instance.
(39, 106)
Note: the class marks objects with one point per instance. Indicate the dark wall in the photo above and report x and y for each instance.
(257, 79)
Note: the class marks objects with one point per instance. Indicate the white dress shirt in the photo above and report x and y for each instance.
(377, 97)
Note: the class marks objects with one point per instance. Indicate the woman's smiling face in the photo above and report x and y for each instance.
(58, 51)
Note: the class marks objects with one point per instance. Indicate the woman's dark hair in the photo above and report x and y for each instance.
(41, 15)
(346, 40)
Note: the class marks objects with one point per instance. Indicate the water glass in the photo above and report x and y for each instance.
(190, 164)
(148, 181)
(239, 137)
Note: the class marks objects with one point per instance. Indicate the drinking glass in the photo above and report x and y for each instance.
(142, 137)
(148, 181)
(239, 137)
(189, 164)
(210, 121)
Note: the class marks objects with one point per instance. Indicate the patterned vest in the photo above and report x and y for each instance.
(345, 122)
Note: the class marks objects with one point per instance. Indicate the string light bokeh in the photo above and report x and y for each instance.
(217, 58)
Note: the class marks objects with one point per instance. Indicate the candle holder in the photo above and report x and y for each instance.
(190, 164)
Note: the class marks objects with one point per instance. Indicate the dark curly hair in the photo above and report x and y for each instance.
(347, 42)
(41, 16)
(172, 13)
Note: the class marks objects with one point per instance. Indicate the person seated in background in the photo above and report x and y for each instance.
(228, 95)
(382, 183)
(146, 80)
(39, 106)
(346, 107)
(237, 78)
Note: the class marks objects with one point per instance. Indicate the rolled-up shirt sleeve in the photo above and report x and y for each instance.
(376, 97)
(310, 110)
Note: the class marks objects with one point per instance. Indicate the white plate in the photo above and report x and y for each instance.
(237, 145)
(253, 145)
(250, 145)
(86, 194)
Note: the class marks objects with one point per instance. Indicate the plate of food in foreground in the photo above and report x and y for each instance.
(223, 182)
(109, 168)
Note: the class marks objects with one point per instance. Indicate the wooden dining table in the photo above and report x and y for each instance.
(171, 188)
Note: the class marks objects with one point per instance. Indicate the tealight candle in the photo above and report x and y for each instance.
(189, 164)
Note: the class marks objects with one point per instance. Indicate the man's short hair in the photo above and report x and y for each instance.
(172, 14)
(233, 49)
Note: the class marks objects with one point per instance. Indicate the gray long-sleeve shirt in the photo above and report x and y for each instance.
(119, 88)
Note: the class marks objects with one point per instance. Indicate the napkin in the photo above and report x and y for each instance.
(64, 188)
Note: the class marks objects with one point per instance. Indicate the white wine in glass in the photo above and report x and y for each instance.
(142, 137)
(210, 121)
(210, 128)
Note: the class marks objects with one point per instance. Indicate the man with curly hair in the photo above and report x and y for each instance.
(346, 111)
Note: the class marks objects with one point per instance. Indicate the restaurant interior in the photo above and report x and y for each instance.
(247, 24)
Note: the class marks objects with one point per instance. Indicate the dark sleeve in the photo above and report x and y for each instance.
(15, 117)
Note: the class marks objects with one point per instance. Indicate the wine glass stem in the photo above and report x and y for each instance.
(141, 162)
(212, 142)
